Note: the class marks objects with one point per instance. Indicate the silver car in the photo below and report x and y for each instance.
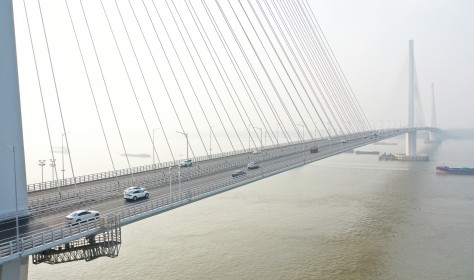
(81, 216)
(134, 193)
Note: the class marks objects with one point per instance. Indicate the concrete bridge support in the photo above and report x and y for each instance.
(411, 136)
(15, 270)
(14, 198)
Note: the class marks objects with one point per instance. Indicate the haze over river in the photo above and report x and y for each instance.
(345, 217)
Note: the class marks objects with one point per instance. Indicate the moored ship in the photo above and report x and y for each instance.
(453, 170)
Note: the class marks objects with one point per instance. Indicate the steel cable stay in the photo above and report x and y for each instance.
(286, 55)
(210, 79)
(304, 62)
(333, 79)
(164, 84)
(56, 91)
(345, 82)
(273, 65)
(187, 77)
(217, 67)
(40, 87)
(128, 75)
(303, 59)
(202, 81)
(152, 101)
(249, 64)
(297, 62)
(317, 30)
(282, 64)
(176, 80)
(91, 89)
(325, 93)
(317, 60)
(242, 77)
(349, 104)
(264, 69)
(105, 86)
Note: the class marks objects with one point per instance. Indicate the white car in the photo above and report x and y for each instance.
(256, 151)
(81, 216)
(134, 193)
(252, 165)
(186, 163)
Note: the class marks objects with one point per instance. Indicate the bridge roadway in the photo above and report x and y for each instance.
(48, 211)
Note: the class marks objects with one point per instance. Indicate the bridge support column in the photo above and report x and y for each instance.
(15, 270)
(13, 198)
(411, 136)
(411, 144)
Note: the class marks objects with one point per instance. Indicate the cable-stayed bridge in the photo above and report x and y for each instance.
(131, 76)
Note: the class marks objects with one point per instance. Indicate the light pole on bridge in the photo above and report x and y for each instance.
(169, 174)
(187, 143)
(62, 152)
(210, 140)
(42, 163)
(53, 165)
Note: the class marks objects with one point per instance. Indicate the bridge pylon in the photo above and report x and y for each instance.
(411, 136)
(13, 198)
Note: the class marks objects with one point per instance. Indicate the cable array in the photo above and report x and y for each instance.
(226, 69)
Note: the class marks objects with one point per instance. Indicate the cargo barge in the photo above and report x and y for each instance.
(367, 152)
(455, 171)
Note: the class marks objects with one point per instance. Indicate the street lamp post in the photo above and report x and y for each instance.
(169, 173)
(179, 181)
(210, 140)
(12, 147)
(53, 165)
(42, 163)
(154, 145)
(187, 143)
(62, 153)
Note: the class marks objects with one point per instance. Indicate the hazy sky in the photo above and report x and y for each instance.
(370, 39)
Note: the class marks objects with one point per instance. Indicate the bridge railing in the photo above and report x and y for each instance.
(134, 170)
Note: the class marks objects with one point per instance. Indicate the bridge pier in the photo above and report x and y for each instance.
(15, 270)
(411, 144)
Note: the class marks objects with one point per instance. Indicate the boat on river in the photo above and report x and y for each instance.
(454, 170)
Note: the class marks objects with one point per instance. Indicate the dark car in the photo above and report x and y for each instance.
(314, 149)
(238, 173)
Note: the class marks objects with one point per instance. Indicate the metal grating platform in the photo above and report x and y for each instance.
(105, 244)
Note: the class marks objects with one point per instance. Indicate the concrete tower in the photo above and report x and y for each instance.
(13, 198)
(411, 136)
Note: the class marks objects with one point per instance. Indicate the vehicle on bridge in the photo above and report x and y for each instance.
(238, 173)
(186, 163)
(134, 193)
(314, 149)
(81, 216)
(256, 151)
(253, 165)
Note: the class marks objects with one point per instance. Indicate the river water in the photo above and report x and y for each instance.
(345, 217)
